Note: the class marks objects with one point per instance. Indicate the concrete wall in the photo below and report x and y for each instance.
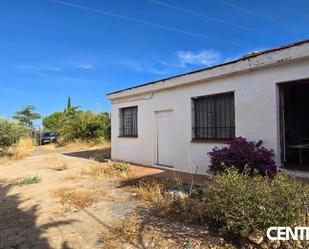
(256, 115)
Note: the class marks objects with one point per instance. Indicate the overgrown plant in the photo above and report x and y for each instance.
(242, 154)
(74, 124)
(28, 180)
(10, 133)
(121, 166)
(242, 204)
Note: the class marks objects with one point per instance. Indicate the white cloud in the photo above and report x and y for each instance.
(149, 66)
(202, 58)
(85, 66)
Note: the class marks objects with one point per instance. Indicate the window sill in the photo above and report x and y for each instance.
(211, 140)
(128, 136)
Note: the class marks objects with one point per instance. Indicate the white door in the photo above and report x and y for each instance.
(165, 138)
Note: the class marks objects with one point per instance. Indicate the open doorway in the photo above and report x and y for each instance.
(294, 123)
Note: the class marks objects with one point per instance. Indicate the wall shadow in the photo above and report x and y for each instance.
(18, 227)
(99, 155)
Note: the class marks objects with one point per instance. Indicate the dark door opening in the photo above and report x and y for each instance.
(294, 118)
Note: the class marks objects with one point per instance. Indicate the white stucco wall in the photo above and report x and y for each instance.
(256, 114)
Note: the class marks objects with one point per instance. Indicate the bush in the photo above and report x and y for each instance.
(243, 154)
(121, 166)
(77, 124)
(242, 204)
(10, 133)
(28, 180)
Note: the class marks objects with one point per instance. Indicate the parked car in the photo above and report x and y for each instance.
(48, 137)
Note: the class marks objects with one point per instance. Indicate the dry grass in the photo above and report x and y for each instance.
(84, 145)
(98, 170)
(24, 148)
(134, 231)
(94, 170)
(155, 193)
(61, 167)
(125, 231)
(72, 178)
(48, 147)
(77, 198)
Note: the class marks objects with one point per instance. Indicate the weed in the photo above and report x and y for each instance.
(165, 202)
(121, 166)
(48, 147)
(94, 170)
(28, 180)
(19, 151)
(77, 198)
(98, 170)
(61, 167)
(125, 230)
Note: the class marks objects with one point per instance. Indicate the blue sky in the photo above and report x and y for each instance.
(85, 49)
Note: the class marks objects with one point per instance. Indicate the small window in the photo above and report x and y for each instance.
(128, 121)
(214, 117)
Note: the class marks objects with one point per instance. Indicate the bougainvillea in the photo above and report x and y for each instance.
(242, 154)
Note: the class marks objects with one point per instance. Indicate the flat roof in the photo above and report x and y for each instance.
(245, 57)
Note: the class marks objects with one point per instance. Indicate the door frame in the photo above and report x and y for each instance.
(157, 163)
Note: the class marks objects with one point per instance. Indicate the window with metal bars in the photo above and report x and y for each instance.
(128, 121)
(214, 117)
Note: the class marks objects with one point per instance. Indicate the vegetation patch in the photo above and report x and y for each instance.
(121, 167)
(167, 199)
(242, 204)
(125, 231)
(28, 180)
(77, 198)
(116, 170)
(61, 167)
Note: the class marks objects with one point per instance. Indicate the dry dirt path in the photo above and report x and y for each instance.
(32, 216)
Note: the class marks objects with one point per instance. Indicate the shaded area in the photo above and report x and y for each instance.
(18, 227)
(99, 155)
(294, 125)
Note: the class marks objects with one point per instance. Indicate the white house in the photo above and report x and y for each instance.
(175, 121)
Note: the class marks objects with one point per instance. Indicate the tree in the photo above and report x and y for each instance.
(53, 121)
(26, 116)
(11, 132)
(69, 104)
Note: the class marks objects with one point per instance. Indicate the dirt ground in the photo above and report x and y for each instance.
(31, 216)
(35, 216)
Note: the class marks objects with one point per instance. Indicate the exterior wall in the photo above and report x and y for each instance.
(256, 115)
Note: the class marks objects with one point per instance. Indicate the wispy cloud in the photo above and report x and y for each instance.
(85, 66)
(178, 62)
(202, 58)
(147, 66)
(39, 67)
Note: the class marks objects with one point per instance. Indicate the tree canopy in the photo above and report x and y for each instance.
(26, 116)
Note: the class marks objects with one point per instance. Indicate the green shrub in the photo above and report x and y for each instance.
(28, 180)
(121, 166)
(241, 204)
(11, 132)
(77, 124)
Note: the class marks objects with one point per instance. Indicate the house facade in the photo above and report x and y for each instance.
(174, 122)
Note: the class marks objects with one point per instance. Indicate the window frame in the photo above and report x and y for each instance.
(133, 133)
(196, 138)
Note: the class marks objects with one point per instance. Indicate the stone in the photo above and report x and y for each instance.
(256, 237)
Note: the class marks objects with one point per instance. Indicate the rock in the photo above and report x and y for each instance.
(177, 194)
(256, 237)
(275, 244)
